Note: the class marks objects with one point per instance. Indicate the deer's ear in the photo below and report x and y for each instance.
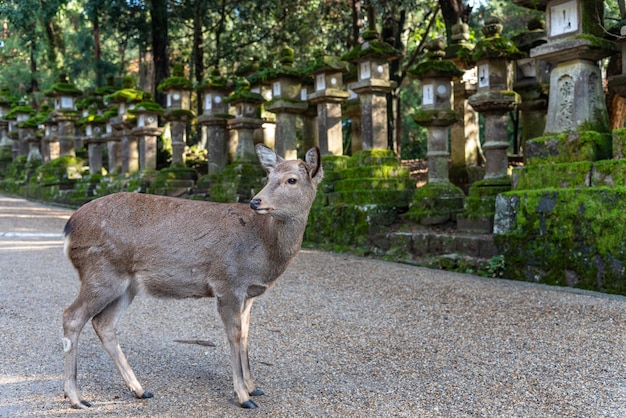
(313, 162)
(267, 157)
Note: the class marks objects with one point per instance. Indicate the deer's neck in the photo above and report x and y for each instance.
(285, 238)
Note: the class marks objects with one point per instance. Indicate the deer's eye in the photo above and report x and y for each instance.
(292, 181)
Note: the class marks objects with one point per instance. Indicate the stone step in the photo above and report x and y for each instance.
(421, 244)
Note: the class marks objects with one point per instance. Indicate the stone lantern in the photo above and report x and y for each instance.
(122, 124)
(177, 112)
(328, 95)
(574, 46)
(112, 140)
(494, 99)
(257, 77)
(64, 95)
(439, 200)
(147, 131)
(214, 92)
(531, 82)
(50, 148)
(94, 126)
(373, 83)
(6, 100)
(247, 118)
(22, 114)
(286, 103)
(466, 155)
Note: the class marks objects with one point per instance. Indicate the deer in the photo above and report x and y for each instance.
(128, 244)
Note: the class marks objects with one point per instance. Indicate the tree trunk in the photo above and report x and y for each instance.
(160, 41)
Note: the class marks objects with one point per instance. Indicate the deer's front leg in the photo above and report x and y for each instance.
(231, 311)
(245, 362)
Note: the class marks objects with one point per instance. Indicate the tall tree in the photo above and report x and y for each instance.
(160, 44)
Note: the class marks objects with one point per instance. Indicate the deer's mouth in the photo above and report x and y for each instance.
(262, 211)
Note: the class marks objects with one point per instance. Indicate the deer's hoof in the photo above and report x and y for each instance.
(257, 392)
(81, 405)
(249, 405)
(147, 395)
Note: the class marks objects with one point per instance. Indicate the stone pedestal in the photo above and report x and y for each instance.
(147, 143)
(129, 151)
(286, 116)
(34, 146)
(244, 146)
(179, 141)
(217, 140)
(373, 99)
(65, 132)
(94, 152)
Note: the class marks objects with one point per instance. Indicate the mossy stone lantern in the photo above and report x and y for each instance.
(438, 201)
(64, 94)
(147, 131)
(177, 89)
(21, 113)
(6, 101)
(214, 92)
(95, 126)
(373, 84)
(247, 106)
(286, 102)
(575, 35)
(328, 95)
(494, 99)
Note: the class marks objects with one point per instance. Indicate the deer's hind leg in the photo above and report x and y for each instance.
(105, 324)
(91, 300)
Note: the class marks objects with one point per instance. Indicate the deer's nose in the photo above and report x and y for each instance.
(255, 203)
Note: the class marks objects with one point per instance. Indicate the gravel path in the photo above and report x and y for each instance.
(337, 336)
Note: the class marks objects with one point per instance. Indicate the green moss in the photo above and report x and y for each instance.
(175, 83)
(147, 105)
(435, 203)
(436, 68)
(568, 237)
(558, 175)
(374, 48)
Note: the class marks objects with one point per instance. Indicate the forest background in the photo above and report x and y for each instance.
(90, 40)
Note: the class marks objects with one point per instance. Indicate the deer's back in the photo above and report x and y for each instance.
(173, 247)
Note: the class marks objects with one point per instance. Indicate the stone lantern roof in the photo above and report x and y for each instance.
(214, 80)
(435, 66)
(176, 81)
(372, 47)
(324, 62)
(128, 93)
(492, 45)
(243, 93)
(63, 88)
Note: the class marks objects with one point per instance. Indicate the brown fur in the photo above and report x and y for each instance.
(128, 243)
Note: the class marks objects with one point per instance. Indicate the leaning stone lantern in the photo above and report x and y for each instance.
(439, 200)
